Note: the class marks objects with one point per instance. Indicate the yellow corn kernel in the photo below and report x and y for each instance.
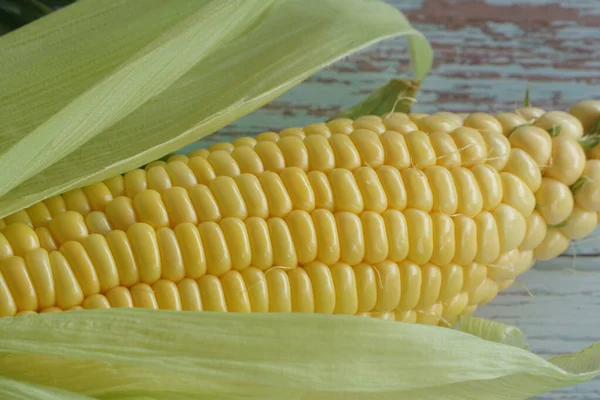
(143, 296)
(470, 201)
(445, 197)
(298, 188)
(97, 222)
(280, 297)
(580, 224)
(294, 152)
(284, 253)
(517, 194)
(396, 153)
(323, 287)
(280, 203)
(509, 121)
(444, 242)
(511, 227)
(19, 283)
(554, 201)
(328, 239)
(483, 122)
(346, 292)
(189, 293)
(567, 162)
(167, 295)
(410, 278)
(488, 241)
(587, 112)
(120, 213)
(587, 195)
(236, 236)
(340, 125)
(490, 185)
(471, 145)
(534, 141)
(40, 215)
(420, 229)
(77, 201)
(171, 258)
(366, 285)
(21, 216)
(180, 173)
(389, 288)
(418, 191)
(150, 208)
(260, 242)
(535, 231)
(397, 232)
(465, 234)
(303, 234)
(45, 237)
(370, 122)
(436, 123)
(376, 241)
(236, 293)
(21, 238)
(68, 291)
(554, 244)
(228, 197)
(569, 125)
(254, 196)
(369, 147)
(346, 194)
(498, 149)
(521, 164)
(201, 168)
(452, 281)
(122, 252)
(320, 153)
(530, 113)
(119, 297)
(99, 252)
(218, 258)
(448, 155)
(420, 148)
(247, 160)
(302, 292)
(179, 206)
(393, 186)
(256, 285)
(317, 129)
(96, 301)
(352, 242)
(39, 270)
(82, 267)
(211, 292)
(223, 163)
(144, 246)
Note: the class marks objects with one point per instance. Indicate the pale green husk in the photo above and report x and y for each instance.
(145, 354)
(103, 87)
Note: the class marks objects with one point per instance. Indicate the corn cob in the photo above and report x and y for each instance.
(341, 198)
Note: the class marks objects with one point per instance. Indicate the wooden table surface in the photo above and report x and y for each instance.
(486, 52)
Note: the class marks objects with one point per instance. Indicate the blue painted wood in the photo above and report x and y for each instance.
(486, 52)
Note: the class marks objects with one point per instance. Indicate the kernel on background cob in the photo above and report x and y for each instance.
(414, 218)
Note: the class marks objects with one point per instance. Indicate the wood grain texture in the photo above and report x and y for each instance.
(486, 52)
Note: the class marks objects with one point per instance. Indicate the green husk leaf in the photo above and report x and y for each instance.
(397, 95)
(122, 83)
(137, 353)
